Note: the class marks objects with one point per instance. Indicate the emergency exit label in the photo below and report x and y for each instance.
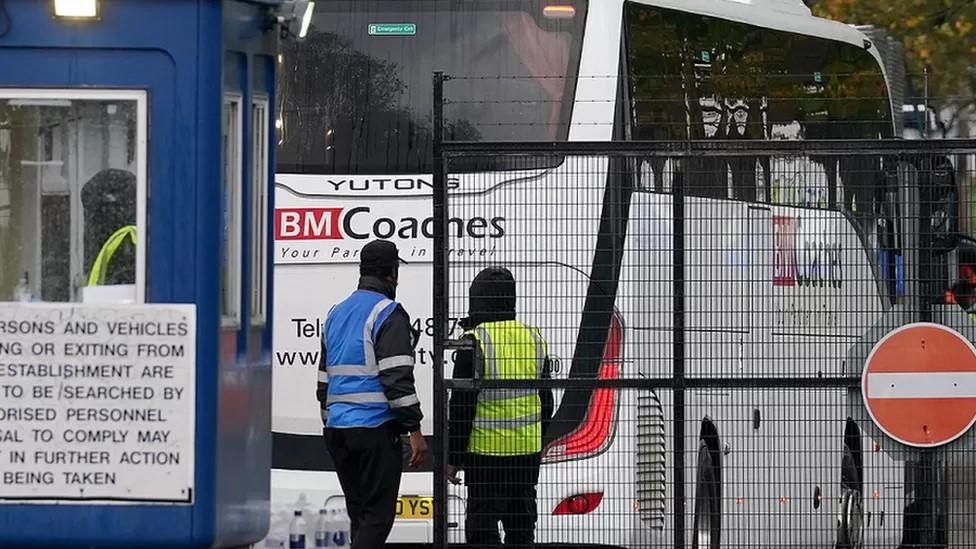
(97, 402)
(392, 29)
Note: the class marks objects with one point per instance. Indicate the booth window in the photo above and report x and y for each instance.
(230, 244)
(72, 195)
(260, 137)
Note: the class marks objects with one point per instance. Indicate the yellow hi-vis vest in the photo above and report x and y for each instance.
(99, 269)
(508, 422)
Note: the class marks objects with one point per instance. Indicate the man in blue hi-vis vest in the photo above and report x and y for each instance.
(367, 395)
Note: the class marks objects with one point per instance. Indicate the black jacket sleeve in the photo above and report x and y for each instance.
(394, 347)
(548, 402)
(462, 407)
(322, 387)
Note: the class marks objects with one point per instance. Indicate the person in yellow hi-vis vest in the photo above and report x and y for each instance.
(109, 204)
(99, 270)
(495, 435)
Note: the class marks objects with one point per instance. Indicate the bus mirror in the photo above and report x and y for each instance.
(939, 203)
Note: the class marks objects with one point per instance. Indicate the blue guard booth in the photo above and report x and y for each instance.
(136, 157)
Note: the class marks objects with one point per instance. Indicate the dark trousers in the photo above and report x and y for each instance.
(369, 464)
(501, 490)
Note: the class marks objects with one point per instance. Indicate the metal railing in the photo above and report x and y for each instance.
(713, 312)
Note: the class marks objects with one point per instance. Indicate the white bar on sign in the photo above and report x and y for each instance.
(930, 385)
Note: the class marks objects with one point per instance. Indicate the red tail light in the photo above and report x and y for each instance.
(596, 431)
(580, 504)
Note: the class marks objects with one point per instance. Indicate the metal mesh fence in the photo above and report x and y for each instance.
(712, 317)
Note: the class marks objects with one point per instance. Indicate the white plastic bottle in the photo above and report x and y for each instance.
(340, 537)
(324, 529)
(296, 532)
(22, 291)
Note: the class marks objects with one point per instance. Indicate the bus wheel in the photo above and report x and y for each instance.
(850, 520)
(708, 503)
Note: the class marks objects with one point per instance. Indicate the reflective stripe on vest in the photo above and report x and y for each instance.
(371, 369)
(356, 397)
(508, 421)
(515, 423)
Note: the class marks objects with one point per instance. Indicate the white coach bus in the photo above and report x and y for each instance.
(354, 117)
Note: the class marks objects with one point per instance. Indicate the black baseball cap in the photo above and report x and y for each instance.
(379, 257)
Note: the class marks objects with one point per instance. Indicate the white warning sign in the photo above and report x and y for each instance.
(97, 402)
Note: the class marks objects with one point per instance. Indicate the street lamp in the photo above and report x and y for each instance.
(76, 9)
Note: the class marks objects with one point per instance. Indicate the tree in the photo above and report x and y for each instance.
(938, 36)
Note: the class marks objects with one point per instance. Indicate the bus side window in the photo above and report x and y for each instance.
(698, 78)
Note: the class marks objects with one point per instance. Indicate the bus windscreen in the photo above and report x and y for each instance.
(355, 96)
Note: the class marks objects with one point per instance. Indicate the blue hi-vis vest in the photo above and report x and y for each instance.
(356, 397)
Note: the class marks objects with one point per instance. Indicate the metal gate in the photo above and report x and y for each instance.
(712, 313)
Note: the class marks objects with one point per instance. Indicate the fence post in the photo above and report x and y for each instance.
(439, 310)
(678, 367)
(924, 525)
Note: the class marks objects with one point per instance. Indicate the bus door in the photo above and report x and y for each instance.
(922, 263)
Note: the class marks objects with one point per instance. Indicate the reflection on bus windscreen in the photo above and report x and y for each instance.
(356, 94)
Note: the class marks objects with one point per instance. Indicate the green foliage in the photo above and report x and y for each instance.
(938, 35)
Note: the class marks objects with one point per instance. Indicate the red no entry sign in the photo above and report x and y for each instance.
(919, 384)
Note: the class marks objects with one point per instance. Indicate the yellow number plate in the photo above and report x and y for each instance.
(414, 507)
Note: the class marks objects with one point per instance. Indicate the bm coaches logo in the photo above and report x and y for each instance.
(337, 235)
(805, 254)
(360, 223)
